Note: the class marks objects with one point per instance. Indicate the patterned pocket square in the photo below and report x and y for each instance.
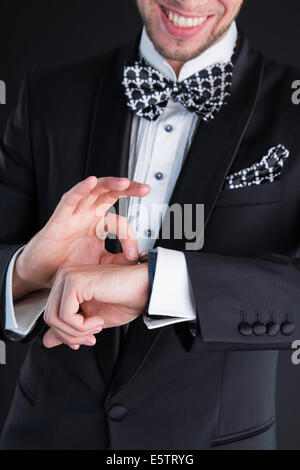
(265, 171)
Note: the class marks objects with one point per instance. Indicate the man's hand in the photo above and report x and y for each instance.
(70, 235)
(108, 296)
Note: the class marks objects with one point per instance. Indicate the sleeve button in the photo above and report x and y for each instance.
(273, 328)
(245, 328)
(287, 328)
(259, 328)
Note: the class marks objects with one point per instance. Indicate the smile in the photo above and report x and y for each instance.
(183, 21)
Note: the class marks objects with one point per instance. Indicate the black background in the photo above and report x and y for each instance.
(35, 32)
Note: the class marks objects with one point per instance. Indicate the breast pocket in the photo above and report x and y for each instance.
(265, 193)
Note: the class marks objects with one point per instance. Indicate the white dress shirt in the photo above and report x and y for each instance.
(157, 151)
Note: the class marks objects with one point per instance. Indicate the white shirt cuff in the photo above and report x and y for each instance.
(172, 295)
(21, 316)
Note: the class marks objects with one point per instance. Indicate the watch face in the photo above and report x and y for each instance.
(143, 257)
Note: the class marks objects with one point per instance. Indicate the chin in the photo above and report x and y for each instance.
(183, 49)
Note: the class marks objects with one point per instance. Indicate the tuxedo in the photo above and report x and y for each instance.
(167, 389)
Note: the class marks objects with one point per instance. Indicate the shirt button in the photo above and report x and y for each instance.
(148, 233)
(159, 175)
(168, 128)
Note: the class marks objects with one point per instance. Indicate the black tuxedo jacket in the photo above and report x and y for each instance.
(167, 390)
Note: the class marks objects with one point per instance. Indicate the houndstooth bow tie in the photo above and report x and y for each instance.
(204, 93)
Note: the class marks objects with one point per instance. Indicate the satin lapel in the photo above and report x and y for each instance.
(215, 144)
(213, 150)
(108, 156)
(136, 348)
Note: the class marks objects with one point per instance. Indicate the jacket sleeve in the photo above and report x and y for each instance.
(245, 303)
(19, 216)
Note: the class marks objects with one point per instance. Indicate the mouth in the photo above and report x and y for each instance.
(181, 25)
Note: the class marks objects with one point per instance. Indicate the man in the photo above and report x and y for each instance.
(191, 109)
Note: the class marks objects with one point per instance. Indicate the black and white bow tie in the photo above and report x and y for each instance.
(204, 93)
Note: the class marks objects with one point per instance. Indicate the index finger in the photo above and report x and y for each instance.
(71, 198)
(103, 203)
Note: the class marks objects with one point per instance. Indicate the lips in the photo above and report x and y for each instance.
(183, 21)
(180, 25)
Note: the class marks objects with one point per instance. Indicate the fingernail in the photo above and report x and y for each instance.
(122, 180)
(92, 341)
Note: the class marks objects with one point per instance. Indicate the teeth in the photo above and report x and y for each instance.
(182, 21)
(201, 19)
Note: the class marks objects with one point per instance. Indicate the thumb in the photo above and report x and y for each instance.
(120, 258)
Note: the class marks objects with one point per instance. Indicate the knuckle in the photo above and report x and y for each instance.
(70, 341)
(60, 336)
(71, 322)
(77, 335)
(81, 329)
(72, 277)
(47, 318)
(74, 340)
(116, 194)
(65, 269)
(64, 317)
(50, 321)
